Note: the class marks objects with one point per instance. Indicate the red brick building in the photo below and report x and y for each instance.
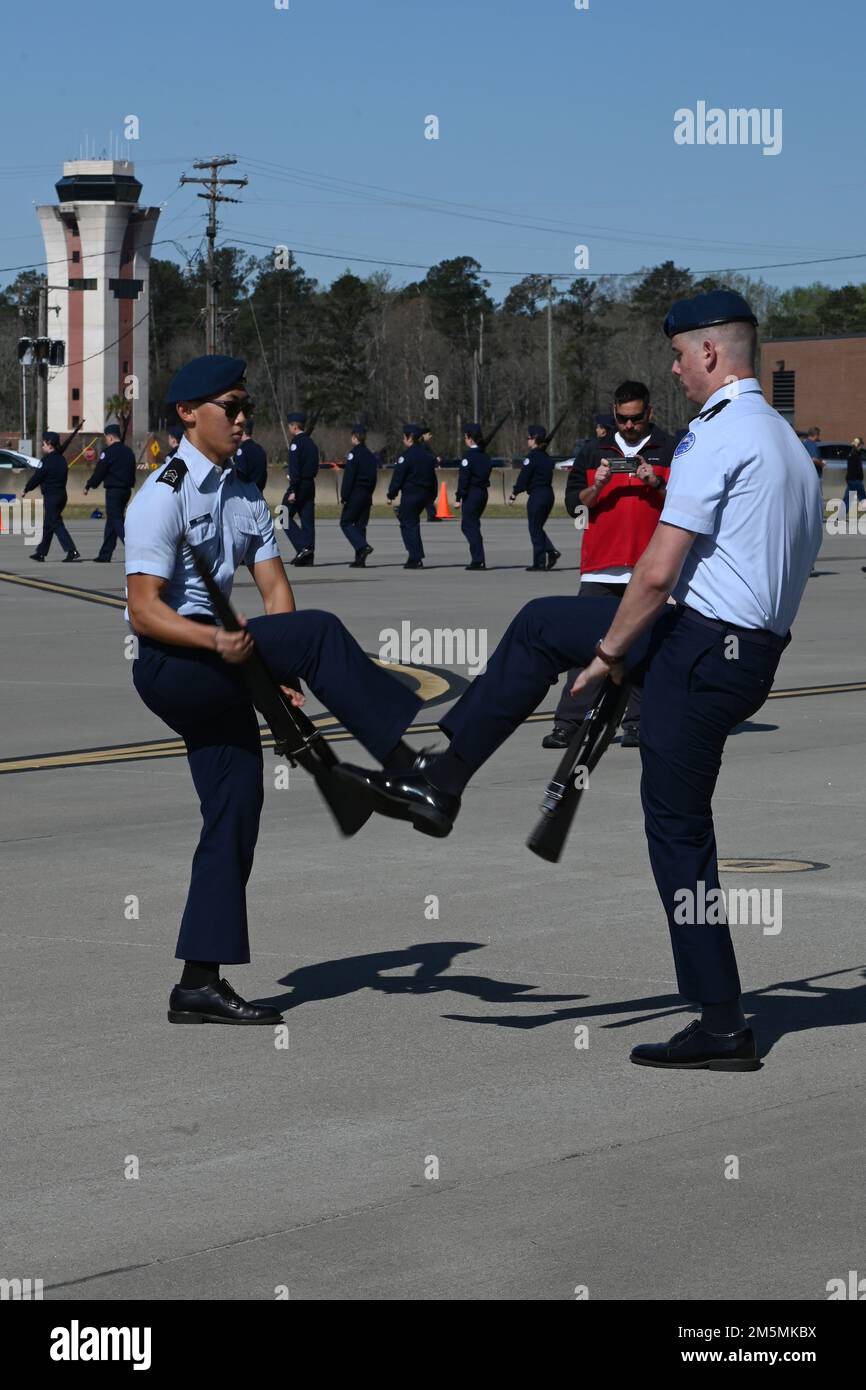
(818, 381)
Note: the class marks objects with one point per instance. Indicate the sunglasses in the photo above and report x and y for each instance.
(630, 419)
(234, 407)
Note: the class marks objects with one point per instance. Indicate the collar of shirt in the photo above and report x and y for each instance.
(629, 450)
(198, 466)
(732, 391)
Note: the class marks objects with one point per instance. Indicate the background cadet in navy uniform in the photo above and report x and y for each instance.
(300, 495)
(427, 441)
(51, 476)
(115, 468)
(473, 482)
(740, 530)
(357, 486)
(536, 480)
(251, 461)
(415, 480)
(624, 508)
(188, 670)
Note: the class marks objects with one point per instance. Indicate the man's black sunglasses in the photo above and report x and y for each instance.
(235, 407)
(630, 419)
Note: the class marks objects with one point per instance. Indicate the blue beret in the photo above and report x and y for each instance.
(51, 437)
(473, 427)
(536, 432)
(606, 420)
(705, 310)
(359, 429)
(414, 430)
(296, 417)
(112, 429)
(176, 431)
(205, 376)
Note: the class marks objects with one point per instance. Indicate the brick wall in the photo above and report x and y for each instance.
(830, 382)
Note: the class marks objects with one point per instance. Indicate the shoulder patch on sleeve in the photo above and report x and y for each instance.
(349, 458)
(400, 459)
(465, 463)
(174, 474)
(102, 456)
(525, 462)
(684, 445)
(293, 446)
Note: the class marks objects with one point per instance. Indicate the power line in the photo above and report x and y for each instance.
(551, 275)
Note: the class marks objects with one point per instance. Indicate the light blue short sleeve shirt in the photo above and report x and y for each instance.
(741, 479)
(196, 505)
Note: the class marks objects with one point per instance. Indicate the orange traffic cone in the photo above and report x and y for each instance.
(443, 511)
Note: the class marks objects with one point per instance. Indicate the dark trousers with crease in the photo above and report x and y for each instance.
(471, 511)
(572, 708)
(116, 500)
(412, 505)
(205, 701)
(303, 535)
(539, 504)
(354, 518)
(693, 696)
(53, 524)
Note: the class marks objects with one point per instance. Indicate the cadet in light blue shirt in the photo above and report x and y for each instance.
(734, 547)
(189, 670)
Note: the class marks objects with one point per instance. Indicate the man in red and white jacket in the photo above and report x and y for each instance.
(621, 483)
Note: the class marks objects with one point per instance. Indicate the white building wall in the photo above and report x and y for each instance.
(54, 237)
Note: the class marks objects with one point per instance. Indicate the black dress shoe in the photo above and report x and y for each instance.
(477, 565)
(102, 559)
(694, 1048)
(72, 558)
(304, 558)
(630, 736)
(552, 557)
(217, 1003)
(414, 565)
(408, 796)
(560, 736)
(367, 550)
(37, 556)
(359, 562)
(536, 567)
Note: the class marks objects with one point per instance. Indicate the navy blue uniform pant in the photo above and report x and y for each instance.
(572, 708)
(471, 512)
(539, 504)
(115, 507)
(302, 533)
(693, 696)
(204, 700)
(412, 505)
(52, 524)
(354, 518)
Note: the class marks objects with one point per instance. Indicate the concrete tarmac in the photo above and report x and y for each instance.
(454, 1115)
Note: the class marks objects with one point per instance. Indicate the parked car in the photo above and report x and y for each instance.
(10, 458)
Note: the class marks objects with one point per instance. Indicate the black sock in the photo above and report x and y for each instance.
(199, 972)
(449, 773)
(400, 759)
(724, 1018)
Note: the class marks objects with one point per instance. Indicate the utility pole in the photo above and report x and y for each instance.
(551, 402)
(213, 184)
(41, 367)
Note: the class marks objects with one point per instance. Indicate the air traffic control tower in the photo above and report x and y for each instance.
(97, 245)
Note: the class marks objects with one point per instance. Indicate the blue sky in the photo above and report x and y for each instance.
(555, 128)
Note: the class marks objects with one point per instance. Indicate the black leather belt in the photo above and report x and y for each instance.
(762, 636)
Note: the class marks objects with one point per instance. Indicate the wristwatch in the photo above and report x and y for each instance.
(605, 656)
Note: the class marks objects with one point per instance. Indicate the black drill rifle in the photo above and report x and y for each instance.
(61, 448)
(488, 439)
(562, 794)
(295, 735)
